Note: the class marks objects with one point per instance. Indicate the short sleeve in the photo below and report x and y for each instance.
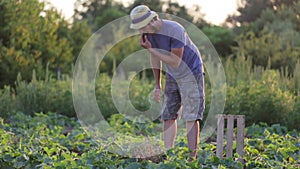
(178, 38)
(175, 43)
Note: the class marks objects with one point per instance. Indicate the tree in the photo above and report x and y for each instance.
(222, 38)
(30, 38)
(77, 34)
(173, 8)
(97, 13)
(273, 39)
(154, 5)
(250, 10)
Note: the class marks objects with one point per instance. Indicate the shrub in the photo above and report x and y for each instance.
(103, 95)
(293, 117)
(43, 96)
(53, 95)
(7, 101)
(268, 102)
(138, 91)
(261, 100)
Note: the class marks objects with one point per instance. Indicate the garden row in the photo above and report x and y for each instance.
(56, 141)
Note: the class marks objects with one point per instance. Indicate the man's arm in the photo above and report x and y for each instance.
(156, 68)
(174, 60)
(176, 53)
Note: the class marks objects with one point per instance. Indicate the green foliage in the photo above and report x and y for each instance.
(77, 36)
(32, 36)
(139, 92)
(221, 38)
(135, 125)
(56, 96)
(268, 50)
(181, 11)
(154, 5)
(271, 147)
(7, 100)
(55, 141)
(263, 95)
(104, 98)
(44, 95)
(193, 14)
(251, 10)
(119, 52)
(273, 38)
(261, 101)
(293, 117)
(97, 13)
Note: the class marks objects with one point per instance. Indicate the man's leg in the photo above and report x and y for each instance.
(170, 130)
(193, 132)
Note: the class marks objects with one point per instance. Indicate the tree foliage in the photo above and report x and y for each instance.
(273, 39)
(269, 33)
(250, 10)
(32, 36)
(97, 13)
(222, 39)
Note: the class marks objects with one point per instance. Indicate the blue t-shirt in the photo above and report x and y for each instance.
(173, 35)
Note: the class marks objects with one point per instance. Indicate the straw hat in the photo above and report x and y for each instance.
(140, 16)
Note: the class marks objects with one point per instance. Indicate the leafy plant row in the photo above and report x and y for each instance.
(56, 141)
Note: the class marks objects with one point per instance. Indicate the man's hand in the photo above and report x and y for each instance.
(156, 95)
(144, 42)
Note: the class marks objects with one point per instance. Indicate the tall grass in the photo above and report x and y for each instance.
(262, 94)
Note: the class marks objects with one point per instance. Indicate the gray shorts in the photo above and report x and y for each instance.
(184, 98)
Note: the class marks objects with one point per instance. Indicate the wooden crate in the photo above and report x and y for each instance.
(240, 119)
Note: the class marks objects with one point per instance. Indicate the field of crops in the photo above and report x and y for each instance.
(55, 141)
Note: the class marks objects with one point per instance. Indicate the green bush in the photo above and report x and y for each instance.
(44, 96)
(103, 95)
(53, 95)
(138, 89)
(261, 97)
(7, 101)
(262, 94)
(268, 102)
(293, 118)
(261, 100)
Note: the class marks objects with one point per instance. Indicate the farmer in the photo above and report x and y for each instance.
(168, 43)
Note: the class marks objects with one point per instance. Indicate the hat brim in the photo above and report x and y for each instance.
(144, 22)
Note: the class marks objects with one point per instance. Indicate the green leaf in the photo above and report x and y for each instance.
(267, 142)
(8, 158)
(252, 142)
(19, 162)
(134, 165)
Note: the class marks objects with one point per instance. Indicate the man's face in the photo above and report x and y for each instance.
(151, 27)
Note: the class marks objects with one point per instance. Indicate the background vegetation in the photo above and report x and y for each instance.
(259, 48)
